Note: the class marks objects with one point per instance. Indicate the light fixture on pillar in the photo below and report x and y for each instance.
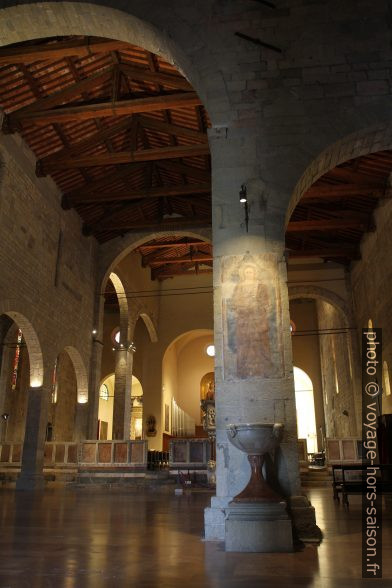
(244, 201)
(132, 347)
(5, 416)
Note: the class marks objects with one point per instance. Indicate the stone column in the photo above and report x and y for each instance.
(122, 393)
(81, 421)
(253, 362)
(94, 381)
(31, 476)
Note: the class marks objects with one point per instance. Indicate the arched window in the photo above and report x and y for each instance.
(15, 365)
(306, 416)
(104, 392)
(385, 379)
(54, 383)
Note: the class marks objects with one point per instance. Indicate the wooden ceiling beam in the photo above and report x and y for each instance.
(188, 170)
(145, 75)
(346, 252)
(333, 192)
(121, 157)
(101, 184)
(326, 225)
(160, 192)
(90, 110)
(59, 50)
(173, 245)
(352, 176)
(167, 224)
(164, 127)
(100, 136)
(163, 275)
(76, 89)
(183, 259)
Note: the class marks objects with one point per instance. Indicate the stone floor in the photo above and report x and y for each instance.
(96, 537)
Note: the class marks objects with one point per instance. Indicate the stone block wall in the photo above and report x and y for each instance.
(47, 268)
(337, 372)
(371, 280)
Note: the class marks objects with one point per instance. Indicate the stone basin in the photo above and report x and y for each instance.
(255, 438)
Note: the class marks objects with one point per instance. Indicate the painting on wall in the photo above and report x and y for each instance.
(167, 418)
(251, 314)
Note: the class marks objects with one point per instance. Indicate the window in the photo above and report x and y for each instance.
(210, 350)
(385, 378)
(104, 392)
(15, 365)
(54, 383)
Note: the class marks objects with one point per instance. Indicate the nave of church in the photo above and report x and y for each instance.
(195, 289)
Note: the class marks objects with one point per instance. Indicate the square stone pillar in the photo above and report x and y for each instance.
(253, 360)
(94, 384)
(31, 475)
(122, 393)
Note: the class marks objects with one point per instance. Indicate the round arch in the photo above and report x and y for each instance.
(80, 372)
(83, 18)
(32, 342)
(149, 326)
(188, 335)
(115, 251)
(317, 293)
(369, 140)
(123, 304)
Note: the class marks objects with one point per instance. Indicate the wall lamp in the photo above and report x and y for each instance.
(244, 201)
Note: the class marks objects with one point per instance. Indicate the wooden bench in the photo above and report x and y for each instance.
(350, 480)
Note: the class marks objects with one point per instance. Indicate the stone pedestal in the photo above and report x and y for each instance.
(258, 527)
(304, 520)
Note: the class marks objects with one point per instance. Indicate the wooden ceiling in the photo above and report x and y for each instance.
(123, 135)
(168, 257)
(335, 213)
(120, 131)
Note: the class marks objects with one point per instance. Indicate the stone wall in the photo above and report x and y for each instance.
(337, 372)
(371, 280)
(63, 412)
(47, 267)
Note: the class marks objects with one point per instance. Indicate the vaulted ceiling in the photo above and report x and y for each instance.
(120, 131)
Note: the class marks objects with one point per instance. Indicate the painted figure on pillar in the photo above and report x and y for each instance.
(251, 315)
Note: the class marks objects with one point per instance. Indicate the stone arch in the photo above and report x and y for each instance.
(32, 342)
(39, 20)
(123, 304)
(114, 252)
(196, 332)
(317, 293)
(80, 372)
(149, 326)
(364, 142)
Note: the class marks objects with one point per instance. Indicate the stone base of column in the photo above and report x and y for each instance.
(304, 520)
(214, 519)
(30, 482)
(262, 527)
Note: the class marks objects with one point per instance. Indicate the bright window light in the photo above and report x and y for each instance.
(211, 350)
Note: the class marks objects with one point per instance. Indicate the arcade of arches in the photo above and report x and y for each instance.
(126, 140)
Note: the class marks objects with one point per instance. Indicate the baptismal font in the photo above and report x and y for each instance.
(256, 519)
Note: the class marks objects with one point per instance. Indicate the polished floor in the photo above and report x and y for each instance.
(97, 537)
